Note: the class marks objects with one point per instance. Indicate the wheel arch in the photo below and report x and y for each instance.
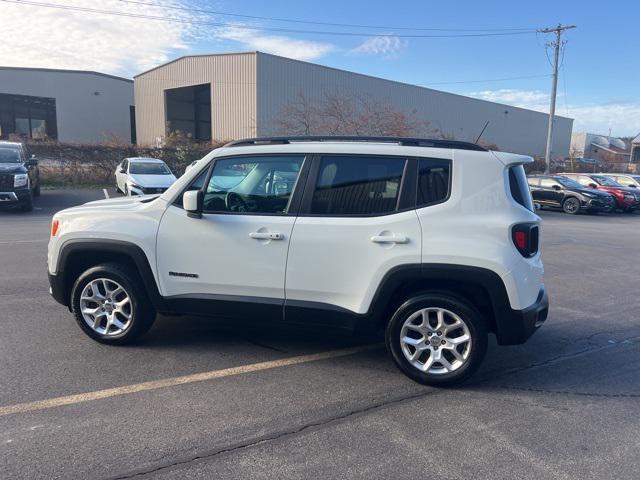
(481, 287)
(78, 255)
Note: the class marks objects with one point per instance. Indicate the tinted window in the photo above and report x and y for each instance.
(519, 187)
(433, 181)
(354, 185)
(252, 184)
(548, 182)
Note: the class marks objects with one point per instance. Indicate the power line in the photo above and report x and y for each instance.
(250, 27)
(485, 80)
(331, 24)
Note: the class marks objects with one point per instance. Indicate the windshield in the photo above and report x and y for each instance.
(148, 168)
(567, 182)
(606, 181)
(10, 155)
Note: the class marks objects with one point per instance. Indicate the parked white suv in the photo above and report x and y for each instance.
(434, 240)
(143, 176)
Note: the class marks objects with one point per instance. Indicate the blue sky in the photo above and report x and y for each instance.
(598, 81)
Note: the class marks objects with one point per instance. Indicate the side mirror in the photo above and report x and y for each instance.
(633, 185)
(593, 185)
(557, 187)
(122, 170)
(192, 203)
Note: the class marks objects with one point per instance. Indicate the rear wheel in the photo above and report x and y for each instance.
(571, 205)
(110, 305)
(437, 339)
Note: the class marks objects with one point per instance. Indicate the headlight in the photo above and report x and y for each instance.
(20, 180)
(630, 198)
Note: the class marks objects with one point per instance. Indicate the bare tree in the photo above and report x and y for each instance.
(342, 114)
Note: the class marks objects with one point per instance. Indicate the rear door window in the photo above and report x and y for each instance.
(357, 185)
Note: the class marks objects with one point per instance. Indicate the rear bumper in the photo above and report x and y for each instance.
(516, 326)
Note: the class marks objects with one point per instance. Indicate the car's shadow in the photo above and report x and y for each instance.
(549, 363)
(203, 333)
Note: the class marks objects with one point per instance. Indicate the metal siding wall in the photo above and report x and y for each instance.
(233, 94)
(520, 131)
(81, 115)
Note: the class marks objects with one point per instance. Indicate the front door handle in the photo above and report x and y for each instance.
(266, 235)
(389, 239)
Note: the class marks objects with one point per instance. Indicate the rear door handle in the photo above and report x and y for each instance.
(266, 235)
(389, 239)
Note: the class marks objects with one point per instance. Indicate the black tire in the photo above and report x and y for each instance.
(571, 205)
(142, 313)
(27, 205)
(465, 311)
(628, 210)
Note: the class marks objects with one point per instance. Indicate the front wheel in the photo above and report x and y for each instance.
(110, 305)
(437, 339)
(27, 203)
(571, 205)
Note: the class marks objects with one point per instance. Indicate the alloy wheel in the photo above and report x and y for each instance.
(106, 307)
(435, 341)
(571, 205)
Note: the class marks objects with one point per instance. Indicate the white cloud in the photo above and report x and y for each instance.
(276, 44)
(534, 99)
(623, 118)
(58, 38)
(388, 46)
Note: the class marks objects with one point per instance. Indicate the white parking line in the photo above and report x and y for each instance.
(183, 380)
(9, 242)
(106, 194)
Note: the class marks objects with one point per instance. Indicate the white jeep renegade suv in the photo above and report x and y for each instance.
(434, 240)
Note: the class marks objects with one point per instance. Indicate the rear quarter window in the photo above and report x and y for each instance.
(519, 187)
(434, 181)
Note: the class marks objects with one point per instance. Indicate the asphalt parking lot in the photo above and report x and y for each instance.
(273, 404)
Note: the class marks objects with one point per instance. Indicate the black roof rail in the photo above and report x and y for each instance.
(404, 141)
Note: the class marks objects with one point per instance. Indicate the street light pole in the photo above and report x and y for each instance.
(554, 88)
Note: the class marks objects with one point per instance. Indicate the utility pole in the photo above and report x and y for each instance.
(554, 87)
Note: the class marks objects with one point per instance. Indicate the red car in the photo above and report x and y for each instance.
(627, 199)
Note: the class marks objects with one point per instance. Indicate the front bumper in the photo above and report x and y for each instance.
(597, 205)
(57, 290)
(516, 326)
(14, 197)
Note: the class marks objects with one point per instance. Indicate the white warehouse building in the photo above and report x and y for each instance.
(229, 96)
(65, 105)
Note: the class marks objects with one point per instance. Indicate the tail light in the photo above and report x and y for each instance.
(526, 238)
